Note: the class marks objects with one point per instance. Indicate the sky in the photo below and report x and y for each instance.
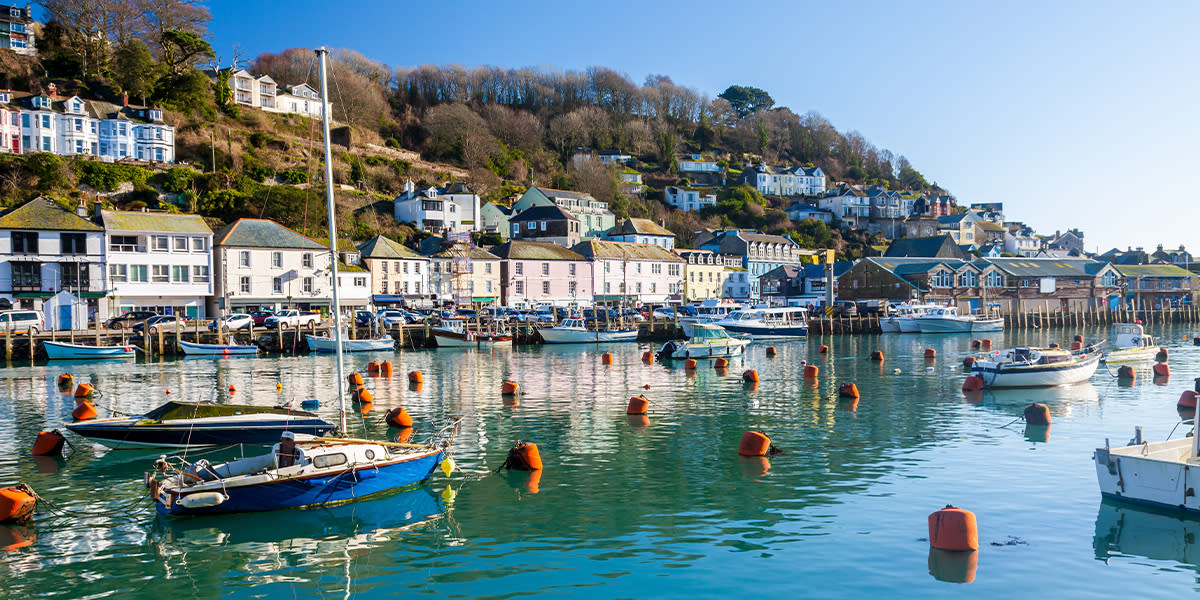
(1074, 114)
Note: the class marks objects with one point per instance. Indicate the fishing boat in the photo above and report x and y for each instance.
(1131, 344)
(320, 343)
(709, 311)
(453, 333)
(707, 341)
(302, 470)
(1161, 474)
(945, 319)
(66, 351)
(786, 322)
(1034, 367)
(189, 424)
(575, 331)
(194, 349)
(902, 319)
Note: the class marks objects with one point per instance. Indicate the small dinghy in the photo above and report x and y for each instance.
(67, 351)
(194, 349)
(186, 424)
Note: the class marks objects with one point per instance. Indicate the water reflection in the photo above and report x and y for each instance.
(1127, 531)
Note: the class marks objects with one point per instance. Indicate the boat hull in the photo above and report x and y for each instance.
(126, 433)
(1153, 474)
(908, 325)
(986, 325)
(314, 490)
(317, 343)
(193, 349)
(453, 339)
(562, 335)
(940, 325)
(64, 351)
(1130, 355)
(684, 351)
(1001, 375)
(764, 332)
(889, 325)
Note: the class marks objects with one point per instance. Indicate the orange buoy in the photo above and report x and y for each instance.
(690, 364)
(1161, 369)
(848, 390)
(17, 504)
(1078, 338)
(510, 388)
(1076, 345)
(1187, 400)
(385, 368)
(972, 384)
(523, 456)
(49, 443)
(750, 376)
(1161, 356)
(954, 529)
(1126, 372)
(721, 363)
(1037, 414)
(969, 361)
(84, 411)
(373, 368)
(811, 371)
(398, 418)
(416, 377)
(364, 396)
(355, 379)
(822, 349)
(85, 390)
(637, 406)
(876, 355)
(278, 387)
(65, 381)
(976, 343)
(232, 389)
(648, 357)
(987, 343)
(930, 353)
(606, 358)
(771, 352)
(754, 443)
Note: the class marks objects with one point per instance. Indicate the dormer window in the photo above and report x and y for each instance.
(14, 12)
(4, 97)
(156, 115)
(77, 106)
(41, 102)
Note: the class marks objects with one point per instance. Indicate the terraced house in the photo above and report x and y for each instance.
(1157, 286)
(158, 261)
(757, 253)
(46, 249)
(397, 274)
(73, 125)
(534, 273)
(627, 272)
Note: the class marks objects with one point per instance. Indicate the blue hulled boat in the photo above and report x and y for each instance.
(783, 322)
(66, 351)
(187, 424)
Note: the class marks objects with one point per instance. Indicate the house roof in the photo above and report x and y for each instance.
(839, 267)
(42, 213)
(951, 219)
(938, 246)
(460, 251)
(1154, 271)
(152, 221)
(542, 213)
(765, 238)
(785, 271)
(593, 249)
(382, 247)
(990, 226)
(523, 250)
(553, 193)
(640, 226)
(1048, 267)
(264, 233)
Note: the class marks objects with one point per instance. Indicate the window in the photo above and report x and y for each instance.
(1110, 279)
(489, 285)
(383, 266)
(570, 287)
(46, 118)
(942, 279)
(518, 287)
(607, 267)
(968, 279)
(516, 227)
(139, 273)
(360, 282)
(994, 280)
(118, 273)
(123, 243)
(277, 285)
(520, 268)
(74, 275)
(329, 460)
(396, 286)
(571, 269)
(181, 244)
(306, 260)
(437, 267)
(546, 288)
(531, 226)
(417, 286)
(307, 285)
(199, 244)
(26, 274)
(487, 268)
(159, 243)
(244, 258)
(638, 287)
(73, 243)
(405, 287)
(25, 123)
(161, 274)
(78, 125)
(545, 268)
(245, 285)
(200, 273)
(276, 259)
(607, 287)
(417, 268)
(24, 242)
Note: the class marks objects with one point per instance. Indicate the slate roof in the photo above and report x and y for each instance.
(939, 246)
(593, 249)
(553, 193)
(44, 214)
(382, 247)
(1154, 271)
(542, 213)
(153, 221)
(523, 250)
(264, 233)
(839, 267)
(786, 271)
(1048, 267)
(951, 219)
(457, 251)
(640, 226)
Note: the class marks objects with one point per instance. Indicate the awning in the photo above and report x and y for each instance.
(387, 298)
(42, 295)
(483, 299)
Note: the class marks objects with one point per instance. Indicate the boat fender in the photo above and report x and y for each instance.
(84, 411)
(690, 364)
(637, 405)
(202, 500)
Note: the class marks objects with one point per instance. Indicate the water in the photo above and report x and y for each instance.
(626, 508)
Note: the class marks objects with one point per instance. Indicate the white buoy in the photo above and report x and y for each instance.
(896, 371)
(928, 369)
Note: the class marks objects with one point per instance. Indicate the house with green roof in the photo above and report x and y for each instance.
(594, 217)
(398, 274)
(264, 265)
(1158, 286)
(47, 249)
(158, 261)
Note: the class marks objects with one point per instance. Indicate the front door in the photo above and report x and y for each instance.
(64, 316)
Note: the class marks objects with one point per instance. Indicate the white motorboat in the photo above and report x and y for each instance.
(945, 319)
(195, 349)
(1034, 367)
(708, 341)
(1153, 473)
(318, 343)
(575, 331)
(903, 321)
(1131, 344)
(453, 333)
(709, 311)
(786, 322)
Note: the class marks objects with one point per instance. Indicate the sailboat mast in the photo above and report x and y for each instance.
(333, 259)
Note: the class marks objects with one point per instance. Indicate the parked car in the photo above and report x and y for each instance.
(22, 321)
(629, 314)
(231, 322)
(392, 318)
(364, 318)
(845, 308)
(128, 319)
(873, 307)
(291, 319)
(159, 323)
(260, 317)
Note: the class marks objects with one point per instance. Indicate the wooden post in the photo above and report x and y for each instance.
(160, 340)
(146, 341)
(72, 334)
(8, 344)
(31, 344)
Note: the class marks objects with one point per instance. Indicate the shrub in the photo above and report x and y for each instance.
(292, 176)
(108, 176)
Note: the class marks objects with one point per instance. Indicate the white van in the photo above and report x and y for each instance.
(21, 321)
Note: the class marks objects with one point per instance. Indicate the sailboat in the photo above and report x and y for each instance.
(301, 470)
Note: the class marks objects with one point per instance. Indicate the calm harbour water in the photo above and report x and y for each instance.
(626, 508)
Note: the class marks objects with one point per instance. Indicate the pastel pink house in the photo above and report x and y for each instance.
(533, 273)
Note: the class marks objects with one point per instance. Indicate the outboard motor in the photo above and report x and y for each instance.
(668, 350)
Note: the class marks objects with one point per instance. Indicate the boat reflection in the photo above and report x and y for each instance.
(1125, 530)
(1061, 400)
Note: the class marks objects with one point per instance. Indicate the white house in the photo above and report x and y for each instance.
(786, 181)
(77, 126)
(849, 205)
(46, 249)
(158, 261)
(688, 199)
(453, 208)
(262, 92)
(800, 211)
(262, 264)
(397, 273)
(465, 274)
(303, 100)
(642, 231)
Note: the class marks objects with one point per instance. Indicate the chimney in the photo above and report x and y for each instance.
(81, 210)
(51, 89)
(125, 99)
(96, 208)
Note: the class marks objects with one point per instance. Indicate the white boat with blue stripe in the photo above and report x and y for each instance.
(783, 322)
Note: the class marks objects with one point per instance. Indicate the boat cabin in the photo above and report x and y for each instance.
(1131, 335)
(1039, 356)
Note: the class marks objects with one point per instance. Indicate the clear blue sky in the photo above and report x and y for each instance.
(1072, 113)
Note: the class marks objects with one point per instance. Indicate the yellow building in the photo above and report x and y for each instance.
(704, 275)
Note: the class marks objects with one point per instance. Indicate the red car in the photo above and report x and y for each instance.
(259, 316)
